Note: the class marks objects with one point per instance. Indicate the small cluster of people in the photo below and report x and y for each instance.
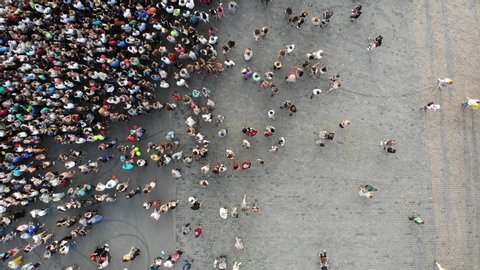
(162, 208)
(445, 83)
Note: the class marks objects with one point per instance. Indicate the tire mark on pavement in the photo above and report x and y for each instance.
(425, 59)
(444, 133)
(456, 146)
(140, 235)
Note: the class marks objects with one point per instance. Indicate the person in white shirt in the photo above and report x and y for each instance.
(471, 102)
(443, 83)
(431, 106)
(271, 114)
(315, 92)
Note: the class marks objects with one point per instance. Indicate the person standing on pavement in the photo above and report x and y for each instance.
(198, 231)
(443, 83)
(186, 229)
(356, 12)
(334, 83)
(222, 133)
(365, 193)
(232, 7)
(315, 92)
(263, 32)
(271, 114)
(471, 102)
(195, 204)
(288, 13)
(416, 218)
(292, 109)
(388, 145)
(431, 106)
(375, 43)
(256, 34)
(176, 173)
(344, 123)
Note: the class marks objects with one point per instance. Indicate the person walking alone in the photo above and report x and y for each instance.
(432, 106)
(356, 12)
(315, 92)
(271, 114)
(375, 43)
(443, 83)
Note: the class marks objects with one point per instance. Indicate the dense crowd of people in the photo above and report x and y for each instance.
(68, 69)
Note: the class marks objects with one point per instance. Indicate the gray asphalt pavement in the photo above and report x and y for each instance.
(308, 195)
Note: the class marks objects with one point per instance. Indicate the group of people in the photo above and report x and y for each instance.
(69, 69)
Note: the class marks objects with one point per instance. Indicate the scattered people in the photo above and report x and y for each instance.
(73, 69)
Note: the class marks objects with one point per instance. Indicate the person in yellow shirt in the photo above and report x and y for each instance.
(473, 103)
(15, 263)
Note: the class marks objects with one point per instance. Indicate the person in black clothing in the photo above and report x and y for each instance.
(374, 43)
(356, 12)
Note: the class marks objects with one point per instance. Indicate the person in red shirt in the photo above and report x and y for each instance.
(198, 231)
(246, 165)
